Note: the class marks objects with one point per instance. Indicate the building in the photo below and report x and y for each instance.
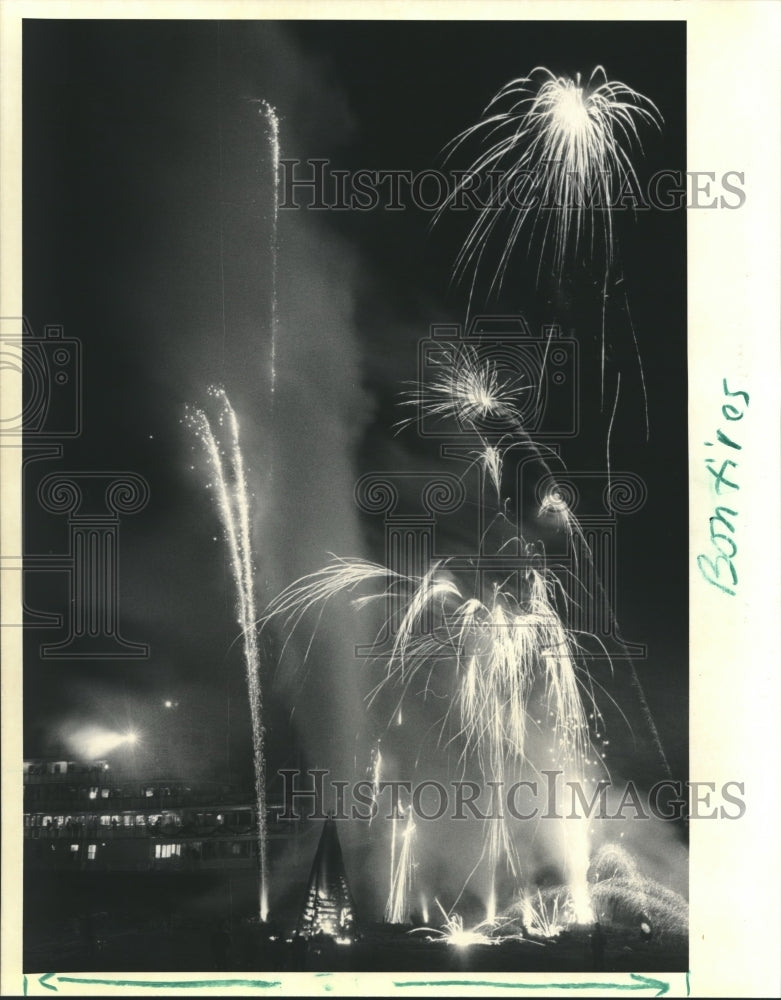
(96, 817)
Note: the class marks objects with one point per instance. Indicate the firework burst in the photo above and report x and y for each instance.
(469, 389)
(481, 398)
(502, 653)
(514, 672)
(498, 653)
(561, 149)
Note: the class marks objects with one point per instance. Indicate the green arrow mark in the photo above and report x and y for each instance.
(640, 983)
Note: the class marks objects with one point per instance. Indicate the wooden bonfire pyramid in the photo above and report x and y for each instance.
(328, 910)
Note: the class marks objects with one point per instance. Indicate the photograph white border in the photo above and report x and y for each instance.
(734, 109)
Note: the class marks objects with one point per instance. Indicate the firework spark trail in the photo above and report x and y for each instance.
(397, 908)
(640, 365)
(541, 918)
(376, 776)
(602, 355)
(573, 141)
(577, 849)
(272, 122)
(554, 503)
(609, 432)
(392, 867)
(234, 510)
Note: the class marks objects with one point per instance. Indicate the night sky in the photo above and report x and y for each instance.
(147, 212)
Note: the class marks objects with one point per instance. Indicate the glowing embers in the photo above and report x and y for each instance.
(328, 908)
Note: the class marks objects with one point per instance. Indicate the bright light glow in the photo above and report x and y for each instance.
(94, 742)
(490, 909)
(454, 933)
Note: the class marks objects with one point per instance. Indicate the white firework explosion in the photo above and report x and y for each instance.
(500, 653)
(467, 388)
(573, 143)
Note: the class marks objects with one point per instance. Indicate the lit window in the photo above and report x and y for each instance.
(105, 820)
(149, 792)
(93, 793)
(92, 850)
(164, 851)
(140, 820)
(104, 793)
(74, 848)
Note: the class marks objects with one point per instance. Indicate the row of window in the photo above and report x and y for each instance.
(164, 852)
(240, 818)
(62, 767)
(193, 851)
(37, 792)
